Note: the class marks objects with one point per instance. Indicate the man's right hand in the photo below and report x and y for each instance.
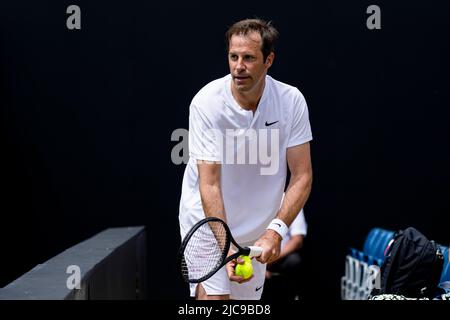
(270, 242)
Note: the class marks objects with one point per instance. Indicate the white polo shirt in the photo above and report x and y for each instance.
(252, 150)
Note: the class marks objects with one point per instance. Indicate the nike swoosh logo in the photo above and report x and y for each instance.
(271, 123)
(278, 224)
(259, 288)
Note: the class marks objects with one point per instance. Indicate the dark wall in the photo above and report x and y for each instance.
(87, 116)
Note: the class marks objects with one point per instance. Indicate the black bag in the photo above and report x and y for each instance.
(412, 266)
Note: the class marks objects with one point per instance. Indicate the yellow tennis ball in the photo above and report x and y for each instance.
(244, 270)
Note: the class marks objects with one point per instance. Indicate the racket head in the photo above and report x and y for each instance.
(204, 249)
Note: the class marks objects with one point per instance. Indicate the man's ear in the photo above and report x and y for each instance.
(269, 60)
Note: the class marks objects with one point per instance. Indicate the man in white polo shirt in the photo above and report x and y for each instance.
(245, 130)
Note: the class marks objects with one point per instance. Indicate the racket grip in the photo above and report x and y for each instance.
(255, 251)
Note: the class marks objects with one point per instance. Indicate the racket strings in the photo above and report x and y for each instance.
(204, 251)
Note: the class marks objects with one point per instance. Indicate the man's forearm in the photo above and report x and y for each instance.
(212, 201)
(295, 197)
(210, 189)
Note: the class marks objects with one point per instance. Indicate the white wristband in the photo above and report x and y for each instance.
(279, 226)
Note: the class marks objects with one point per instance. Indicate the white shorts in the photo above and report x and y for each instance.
(220, 284)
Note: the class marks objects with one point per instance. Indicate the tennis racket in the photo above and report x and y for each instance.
(204, 250)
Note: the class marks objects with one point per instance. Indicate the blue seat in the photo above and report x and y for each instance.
(446, 269)
(385, 237)
(371, 239)
(376, 242)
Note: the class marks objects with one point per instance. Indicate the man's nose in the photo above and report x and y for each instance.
(240, 66)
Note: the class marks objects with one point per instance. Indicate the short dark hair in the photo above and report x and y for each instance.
(267, 31)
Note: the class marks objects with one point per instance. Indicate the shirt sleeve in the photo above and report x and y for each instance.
(204, 139)
(299, 226)
(301, 128)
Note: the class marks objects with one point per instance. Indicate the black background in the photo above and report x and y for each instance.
(87, 117)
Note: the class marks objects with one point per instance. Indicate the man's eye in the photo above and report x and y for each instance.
(233, 57)
(249, 58)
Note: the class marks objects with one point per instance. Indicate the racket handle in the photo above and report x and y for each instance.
(255, 251)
